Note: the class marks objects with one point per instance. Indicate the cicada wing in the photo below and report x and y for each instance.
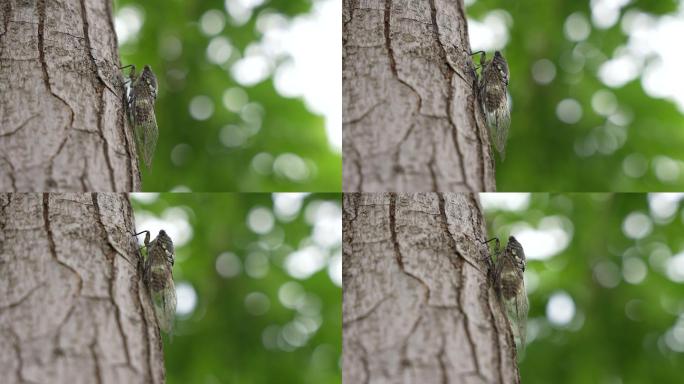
(517, 314)
(522, 306)
(498, 117)
(164, 301)
(146, 129)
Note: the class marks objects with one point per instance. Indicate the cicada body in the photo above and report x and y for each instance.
(158, 277)
(510, 285)
(141, 100)
(493, 90)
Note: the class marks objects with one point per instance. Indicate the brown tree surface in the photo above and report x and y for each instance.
(73, 308)
(63, 125)
(410, 117)
(418, 306)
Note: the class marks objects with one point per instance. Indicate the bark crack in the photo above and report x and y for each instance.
(431, 168)
(397, 250)
(84, 177)
(113, 276)
(105, 143)
(454, 133)
(459, 297)
(51, 242)
(450, 237)
(450, 96)
(366, 314)
(11, 173)
(89, 48)
(96, 361)
(363, 116)
(390, 53)
(23, 298)
(43, 63)
(441, 357)
(357, 164)
(466, 323)
(50, 182)
(496, 342)
(397, 167)
(100, 90)
(482, 147)
(21, 126)
(405, 362)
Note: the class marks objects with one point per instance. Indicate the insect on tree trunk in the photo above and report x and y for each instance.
(410, 117)
(418, 305)
(63, 124)
(73, 308)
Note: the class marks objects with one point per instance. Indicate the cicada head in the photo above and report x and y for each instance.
(517, 253)
(150, 80)
(501, 66)
(167, 245)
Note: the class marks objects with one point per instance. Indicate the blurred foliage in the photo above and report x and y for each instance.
(222, 340)
(190, 152)
(546, 154)
(625, 327)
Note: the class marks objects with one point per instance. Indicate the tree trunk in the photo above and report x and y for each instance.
(411, 120)
(73, 308)
(418, 306)
(63, 125)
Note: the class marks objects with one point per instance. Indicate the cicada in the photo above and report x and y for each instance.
(141, 100)
(510, 286)
(493, 94)
(158, 277)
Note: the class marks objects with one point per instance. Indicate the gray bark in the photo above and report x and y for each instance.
(410, 117)
(418, 306)
(73, 308)
(62, 117)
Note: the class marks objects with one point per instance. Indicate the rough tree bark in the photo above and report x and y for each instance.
(72, 304)
(62, 119)
(410, 118)
(417, 304)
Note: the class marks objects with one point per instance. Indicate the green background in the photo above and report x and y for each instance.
(620, 330)
(221, 341)
(202, 163)
(541, 154)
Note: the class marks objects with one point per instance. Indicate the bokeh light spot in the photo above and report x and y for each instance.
(187, 299)
(577, 27)
(560, 309)
(201, 107)
(257, 303)
(260, 220)
(569, 111)
(607, 274)
(634, 270)
(228, 265)
(637, 225)
(544, 71)
(212, 22)
(234, 99)
(505, 201)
